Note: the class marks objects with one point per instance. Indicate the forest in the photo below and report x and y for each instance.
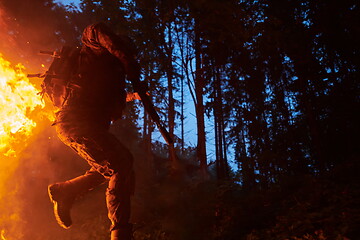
(261, 99)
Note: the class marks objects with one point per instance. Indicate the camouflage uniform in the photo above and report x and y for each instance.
(84, 119)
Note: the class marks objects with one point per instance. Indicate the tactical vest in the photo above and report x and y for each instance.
(60, 79)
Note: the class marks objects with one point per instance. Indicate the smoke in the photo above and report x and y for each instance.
(26, 27)
(46, 161)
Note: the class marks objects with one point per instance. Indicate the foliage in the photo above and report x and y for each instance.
(317, 208)
(301, 208)
(278, 81)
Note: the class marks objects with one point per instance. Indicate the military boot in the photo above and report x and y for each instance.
(63, 200)
(63, 195)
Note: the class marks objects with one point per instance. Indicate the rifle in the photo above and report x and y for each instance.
(62, 68)
(57, 79)
(63, 64)
(149, 108)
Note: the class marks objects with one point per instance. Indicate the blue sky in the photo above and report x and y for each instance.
(65, 2)
(190, 118)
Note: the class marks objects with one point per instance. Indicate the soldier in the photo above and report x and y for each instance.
(83, 120)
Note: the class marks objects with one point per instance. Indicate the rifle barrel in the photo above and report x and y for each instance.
(155, 117)
(35, 75)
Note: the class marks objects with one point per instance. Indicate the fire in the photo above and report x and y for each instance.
(20, 109)
(2, 235)
(18, 100)
(19, 105)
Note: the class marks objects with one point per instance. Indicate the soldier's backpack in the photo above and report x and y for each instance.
(58, 80)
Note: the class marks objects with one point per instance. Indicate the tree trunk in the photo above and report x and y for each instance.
(175, 164)
(147, 138)
(199, 92)
(221, 161)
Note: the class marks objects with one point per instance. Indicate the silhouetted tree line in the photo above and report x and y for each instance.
(278, 80)
(275, 89)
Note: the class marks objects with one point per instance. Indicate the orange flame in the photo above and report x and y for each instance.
(19, 105)
(20, 109)
(2, 235)
(18, 100)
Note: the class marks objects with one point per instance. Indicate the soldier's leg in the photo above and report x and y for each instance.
(113, 160)
(119, 205)
(63, 194)
(119, 168)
